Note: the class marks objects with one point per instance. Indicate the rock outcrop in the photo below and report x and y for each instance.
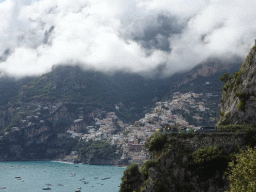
(238, 104)
(188, 162)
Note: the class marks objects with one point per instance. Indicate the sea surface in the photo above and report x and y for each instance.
(36, 174)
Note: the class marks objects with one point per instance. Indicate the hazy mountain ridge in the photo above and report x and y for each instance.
(210, 67)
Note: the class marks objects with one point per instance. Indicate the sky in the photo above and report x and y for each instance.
(135, 35)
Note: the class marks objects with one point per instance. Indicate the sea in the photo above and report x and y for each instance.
(60, 177)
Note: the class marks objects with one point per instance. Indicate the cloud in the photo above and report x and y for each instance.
(138, 35)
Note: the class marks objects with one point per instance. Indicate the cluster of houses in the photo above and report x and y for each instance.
(131, 138)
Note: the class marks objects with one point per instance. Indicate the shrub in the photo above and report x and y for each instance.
(233, 128)
(243, 171)
(224, 77)
(206, 154)
(146, 166)
(157, 142)
(131, 179)
(241, 105)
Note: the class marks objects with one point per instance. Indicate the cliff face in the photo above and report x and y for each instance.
(34, 130)
(187, 162)
(238, 104)
(210, 67)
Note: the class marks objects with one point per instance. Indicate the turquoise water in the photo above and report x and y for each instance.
(36, 174)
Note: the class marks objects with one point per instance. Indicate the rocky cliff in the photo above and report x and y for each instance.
(238, 104)
(186, 162)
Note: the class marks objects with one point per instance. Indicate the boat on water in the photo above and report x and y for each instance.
(82, 179)
(17, 177)
(85, 182)
(60, 184)
(47, 188)
(73, 174)
(78, 190)
(2, 187)
(49, 184)
(103, 178)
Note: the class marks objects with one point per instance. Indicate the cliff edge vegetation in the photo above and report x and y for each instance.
(238, 103)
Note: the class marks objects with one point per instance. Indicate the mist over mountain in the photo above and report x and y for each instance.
(131, 93)
(114, 35)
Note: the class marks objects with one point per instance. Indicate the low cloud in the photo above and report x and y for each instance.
(139, 35)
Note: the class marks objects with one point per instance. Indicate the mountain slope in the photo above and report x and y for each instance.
(238, 105)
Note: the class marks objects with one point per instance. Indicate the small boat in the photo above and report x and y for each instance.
(78, 190)
(22, 180)
(73, 174)
(17, 177)
(2, 187)
(82, 179)
(49, 184)
(107, 177)
(79, 187)
(85, 182)
(60, 184)
(103, 178)
(47, 188)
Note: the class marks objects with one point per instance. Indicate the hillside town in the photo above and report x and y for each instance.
(101, 125)
(132, 138)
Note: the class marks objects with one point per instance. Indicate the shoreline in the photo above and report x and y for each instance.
(62, 161)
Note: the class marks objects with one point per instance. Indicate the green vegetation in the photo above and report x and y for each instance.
(157, 142)
(241, 105)
(97, 149)
(145, 167)
(206, 154)
(243, 97)
(242, 171)
(174, 159)
(131, 179)
(235, 128)
(224, 77)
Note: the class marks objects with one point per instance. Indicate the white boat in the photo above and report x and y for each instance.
(73, 174)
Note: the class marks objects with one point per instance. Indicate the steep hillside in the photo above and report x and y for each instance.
(186, 162)
(238, 104)
(207, 69)
(130, 93)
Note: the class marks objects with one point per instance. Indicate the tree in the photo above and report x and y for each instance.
(224, 77)
(243, 171)
(131, 179)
